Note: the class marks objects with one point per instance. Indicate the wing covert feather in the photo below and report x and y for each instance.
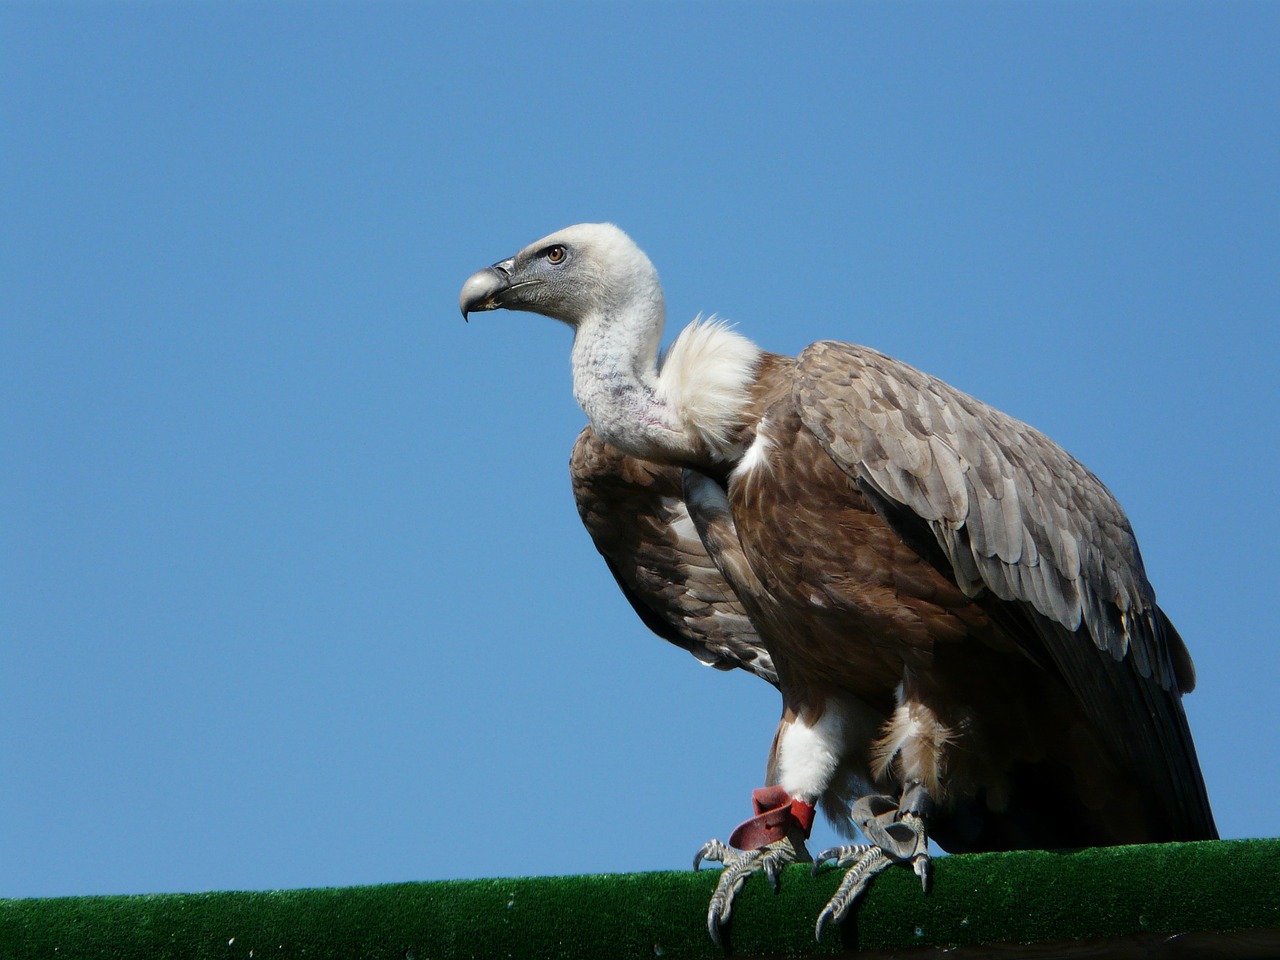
(1013, 512)
(1018, 519)
(635, 513)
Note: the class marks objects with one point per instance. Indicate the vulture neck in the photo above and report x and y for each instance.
(687, 408)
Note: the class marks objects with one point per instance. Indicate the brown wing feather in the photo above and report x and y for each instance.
(1026, 530)
(635, 513)
(1014, 513)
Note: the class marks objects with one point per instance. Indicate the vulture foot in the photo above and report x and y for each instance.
(767, 842)
(738, 866)
(898, 835)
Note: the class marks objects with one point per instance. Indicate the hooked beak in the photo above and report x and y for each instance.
(487, 289)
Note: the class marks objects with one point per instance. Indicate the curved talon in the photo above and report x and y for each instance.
(844, 856)
(826, 914)
(712, 850)
(822, 857)
(772, 867)
(717, 916)
(923, 867)
(831, 853)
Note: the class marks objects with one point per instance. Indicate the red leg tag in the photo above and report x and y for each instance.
(777, 814)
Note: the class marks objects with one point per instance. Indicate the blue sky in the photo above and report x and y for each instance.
(292, 588)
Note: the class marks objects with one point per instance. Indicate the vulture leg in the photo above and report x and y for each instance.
(896, 829)
(738, 866)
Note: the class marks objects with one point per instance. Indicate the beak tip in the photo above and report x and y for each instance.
(479, 291)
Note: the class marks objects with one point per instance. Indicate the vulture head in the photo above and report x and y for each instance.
(595, 279)
(591, 271)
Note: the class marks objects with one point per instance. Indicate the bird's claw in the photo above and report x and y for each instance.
(896, 837)
(712, 850)
(738, 866)
(772, 867)
(923, 867)
(844, 856)
(864, 862)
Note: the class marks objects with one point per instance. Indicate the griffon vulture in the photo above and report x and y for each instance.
(953, 608)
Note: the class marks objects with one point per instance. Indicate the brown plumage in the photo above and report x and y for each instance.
(864, 571)
(635, 513)
(954, 609)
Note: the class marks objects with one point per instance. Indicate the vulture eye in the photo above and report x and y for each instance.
(555, 254)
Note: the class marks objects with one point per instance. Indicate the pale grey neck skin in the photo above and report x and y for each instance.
(615, 373)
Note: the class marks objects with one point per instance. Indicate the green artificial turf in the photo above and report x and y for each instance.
(1021, 897)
